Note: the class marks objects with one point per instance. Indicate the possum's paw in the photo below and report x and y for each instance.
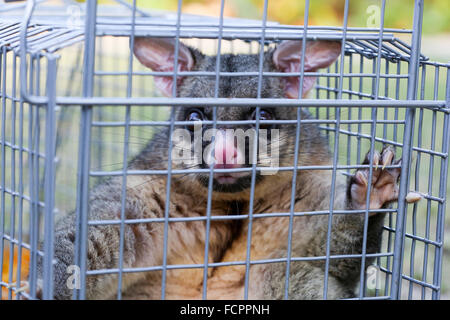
(27, 290)
(384, 187)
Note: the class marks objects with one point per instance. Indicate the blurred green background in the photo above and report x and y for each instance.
(398, 14)
(362, 13)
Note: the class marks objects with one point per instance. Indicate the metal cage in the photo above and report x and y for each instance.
(76, 106)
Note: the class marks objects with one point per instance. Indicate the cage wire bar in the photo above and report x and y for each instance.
(406, 155)
(40, 45)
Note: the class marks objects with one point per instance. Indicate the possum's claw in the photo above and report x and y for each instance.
(384, 188)
(25, 287)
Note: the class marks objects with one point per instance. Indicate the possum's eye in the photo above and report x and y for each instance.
(194, 115)
(263, 115)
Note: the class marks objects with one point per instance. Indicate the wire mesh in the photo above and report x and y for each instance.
(67, 88)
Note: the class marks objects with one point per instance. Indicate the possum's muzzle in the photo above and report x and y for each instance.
(226, 154)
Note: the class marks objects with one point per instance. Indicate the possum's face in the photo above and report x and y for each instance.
(237, 142)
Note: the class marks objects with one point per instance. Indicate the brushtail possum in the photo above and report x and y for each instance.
(143, 243)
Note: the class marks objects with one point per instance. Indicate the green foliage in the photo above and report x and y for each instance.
(398, 13)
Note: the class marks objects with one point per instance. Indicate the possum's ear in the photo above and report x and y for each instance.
(318, 54)
(158, 54)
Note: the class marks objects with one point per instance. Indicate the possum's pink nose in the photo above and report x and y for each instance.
(226, 162)
(226, 154)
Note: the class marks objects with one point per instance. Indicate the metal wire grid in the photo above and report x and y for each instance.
(330, 113)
